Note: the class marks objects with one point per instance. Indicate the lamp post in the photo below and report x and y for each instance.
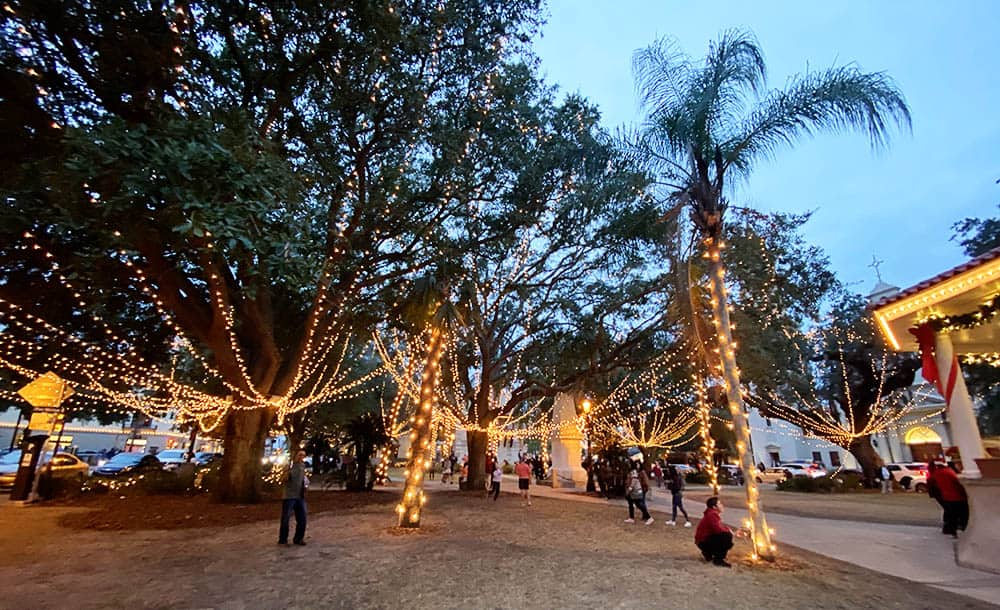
(586, 405)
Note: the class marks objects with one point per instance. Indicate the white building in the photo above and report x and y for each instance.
(91, 435)
(923, 433)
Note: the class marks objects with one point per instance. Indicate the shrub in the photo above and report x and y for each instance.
(151, 482)
(849, 482)
(827, 484)
(207, 478)
(161, 482)
(50, 487)
(507, 469)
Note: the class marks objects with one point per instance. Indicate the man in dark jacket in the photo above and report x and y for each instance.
(294, 501)
(713, 538)
(944, 486)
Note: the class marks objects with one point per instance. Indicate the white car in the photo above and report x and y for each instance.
(172, 458)
(910, 475)
(683, 469)
(803, 469)
(63, 465)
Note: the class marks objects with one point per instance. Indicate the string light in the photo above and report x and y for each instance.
(421, 444)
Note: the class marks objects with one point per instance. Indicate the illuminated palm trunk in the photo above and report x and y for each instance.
(757, 524)
(421, 443)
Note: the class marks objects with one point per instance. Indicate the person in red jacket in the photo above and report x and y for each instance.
(713, 538)
(943, 485)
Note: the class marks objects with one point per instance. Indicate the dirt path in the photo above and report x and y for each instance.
(470, 554)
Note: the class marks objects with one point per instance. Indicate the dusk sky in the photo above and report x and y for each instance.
(898, 204)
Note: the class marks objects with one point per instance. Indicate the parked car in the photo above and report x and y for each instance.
(803, 469)
(683, 469)
(93, 458)
(204, 458)
(172, 458)
(910, 475)
(127, 463)
(63, 466)
(730, 470)
(771, 475)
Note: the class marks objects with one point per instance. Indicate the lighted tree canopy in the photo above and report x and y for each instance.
(255, 175)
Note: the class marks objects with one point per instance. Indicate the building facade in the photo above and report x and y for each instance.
(139, 435)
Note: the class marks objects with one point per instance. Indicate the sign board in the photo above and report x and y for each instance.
(48, 390)
(44, 420)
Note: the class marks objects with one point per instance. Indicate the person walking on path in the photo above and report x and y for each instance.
(604, 478)
(711, 536)
(675, 483)
(497, 477)
(943, 485)
(886, 479)
(294, 501)
(523, 471)
(445, 471)
(636, 486)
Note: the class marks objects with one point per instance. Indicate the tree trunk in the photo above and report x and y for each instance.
(361, 475)
(759, 532)
(477, 442)
(421, 449)
(869, 461)
(295, 428)
(239, 479)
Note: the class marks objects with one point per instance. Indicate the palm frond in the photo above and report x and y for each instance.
(734, 68)
(660, 70)
(687, 104)
(838, 99)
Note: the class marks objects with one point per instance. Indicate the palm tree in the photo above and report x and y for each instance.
(365, 433)
(428, 308)
(710, 122)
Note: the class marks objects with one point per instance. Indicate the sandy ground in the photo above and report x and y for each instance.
(471, 553)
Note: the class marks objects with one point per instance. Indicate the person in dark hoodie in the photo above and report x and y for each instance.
(713, 538)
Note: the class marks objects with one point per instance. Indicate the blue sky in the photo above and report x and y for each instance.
(898, 204)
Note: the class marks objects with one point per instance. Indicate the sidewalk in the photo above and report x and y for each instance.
(916, 553)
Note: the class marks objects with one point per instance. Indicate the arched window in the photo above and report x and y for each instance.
(921, 435)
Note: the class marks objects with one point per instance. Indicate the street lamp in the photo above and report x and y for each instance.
(586, 405)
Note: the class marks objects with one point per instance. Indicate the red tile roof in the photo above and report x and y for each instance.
(966, 266)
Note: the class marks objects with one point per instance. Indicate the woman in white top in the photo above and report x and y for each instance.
(497, 477)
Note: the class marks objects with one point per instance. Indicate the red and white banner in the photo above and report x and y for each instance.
(925, 337)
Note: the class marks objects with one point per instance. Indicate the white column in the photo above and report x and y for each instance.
(964, 429)
(566, 445)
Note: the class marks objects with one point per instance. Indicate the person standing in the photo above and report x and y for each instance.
(490, 464)
(294, 501)
(943, 485)
(658, 474)
(445, 471)
(497, 477)
(636, 486)
(712, 537)
(675, 483)
(523, 471)
(463, 477)
(886, 479)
